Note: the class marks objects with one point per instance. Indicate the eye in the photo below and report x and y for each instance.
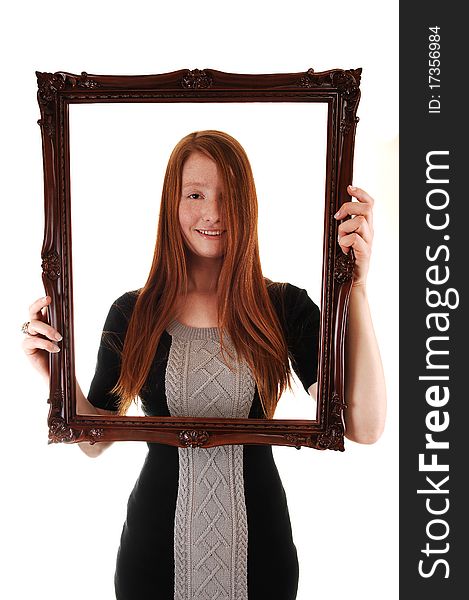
(195, 196)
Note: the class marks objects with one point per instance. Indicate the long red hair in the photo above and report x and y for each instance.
(245, 310)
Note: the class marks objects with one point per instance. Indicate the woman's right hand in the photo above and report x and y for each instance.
(42, 339)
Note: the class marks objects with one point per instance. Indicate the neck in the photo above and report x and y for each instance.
(203, 274)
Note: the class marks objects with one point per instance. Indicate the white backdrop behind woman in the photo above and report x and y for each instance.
(64, 510)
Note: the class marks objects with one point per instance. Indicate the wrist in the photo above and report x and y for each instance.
(358, 288)
(359, 280)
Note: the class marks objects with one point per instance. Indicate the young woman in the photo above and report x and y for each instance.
(208, 335)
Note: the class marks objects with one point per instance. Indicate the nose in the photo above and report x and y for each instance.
(211, 210)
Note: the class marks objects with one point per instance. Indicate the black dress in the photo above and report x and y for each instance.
(206, 523)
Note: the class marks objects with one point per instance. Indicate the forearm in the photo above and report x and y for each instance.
(365, 391)
(84, 407)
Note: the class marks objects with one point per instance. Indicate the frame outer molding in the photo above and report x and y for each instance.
(348, 86)
(52, 259)
(340, 89)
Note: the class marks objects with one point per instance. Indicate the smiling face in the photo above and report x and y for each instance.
(200, 207)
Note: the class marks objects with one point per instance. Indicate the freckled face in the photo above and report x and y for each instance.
(199, 206)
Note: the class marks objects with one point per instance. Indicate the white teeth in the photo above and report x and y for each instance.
(207, 232)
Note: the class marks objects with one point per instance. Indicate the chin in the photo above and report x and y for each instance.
(199, 253)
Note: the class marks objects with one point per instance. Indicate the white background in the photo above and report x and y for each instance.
(118, 157)
(62, 513)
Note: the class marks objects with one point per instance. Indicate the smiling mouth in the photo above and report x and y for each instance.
(212, 233)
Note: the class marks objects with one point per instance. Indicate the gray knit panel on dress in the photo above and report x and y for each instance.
(210, 529)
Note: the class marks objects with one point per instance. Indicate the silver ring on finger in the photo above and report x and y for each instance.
(24, 328)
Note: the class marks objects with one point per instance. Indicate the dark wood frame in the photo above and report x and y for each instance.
(56, 91)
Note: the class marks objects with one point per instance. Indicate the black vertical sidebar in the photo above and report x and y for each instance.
(434, 268)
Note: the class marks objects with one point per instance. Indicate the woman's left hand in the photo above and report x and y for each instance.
(357, 232)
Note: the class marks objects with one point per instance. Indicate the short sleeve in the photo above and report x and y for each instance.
(302, 321)
(109, 354)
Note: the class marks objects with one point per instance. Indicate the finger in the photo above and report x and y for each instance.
(355, 208)
(355, 241)
(35, 310)
(360, 195)
(360, 225)
(364, 206)
(33, 343)
(39, 327)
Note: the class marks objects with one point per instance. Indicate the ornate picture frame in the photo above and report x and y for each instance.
(340, 91)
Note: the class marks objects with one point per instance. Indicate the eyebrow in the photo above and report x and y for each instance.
(194, 184)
